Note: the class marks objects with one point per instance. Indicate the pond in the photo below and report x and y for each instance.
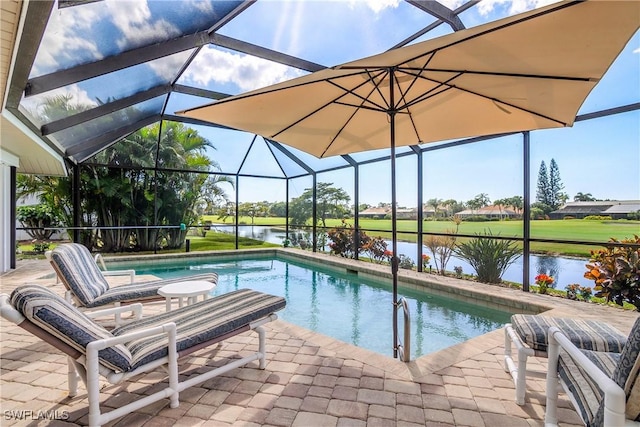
(565, 270)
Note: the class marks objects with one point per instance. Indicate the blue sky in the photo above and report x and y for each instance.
(600, 157)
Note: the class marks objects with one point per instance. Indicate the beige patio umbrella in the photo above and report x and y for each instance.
(525, 72)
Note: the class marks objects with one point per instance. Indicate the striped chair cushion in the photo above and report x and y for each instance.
(585, 334)
(61, 319)
(144, 290)
(200, 322)
(627, 375)
(587, 394)
(79, 272)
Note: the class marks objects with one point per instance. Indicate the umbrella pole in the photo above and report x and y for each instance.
(394, 239)
(394, 231)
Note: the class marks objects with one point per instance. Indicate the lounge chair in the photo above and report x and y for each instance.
(603, 387)
(529, 334)
(140, 346)
(88, 287)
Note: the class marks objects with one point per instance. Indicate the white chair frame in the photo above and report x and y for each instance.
(518, 373)
(88, 369)
(614, 395)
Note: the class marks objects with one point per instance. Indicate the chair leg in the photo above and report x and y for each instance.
(551, 412)
(72, 377)
(93, 387)
(174, 398)
(261, 347)
(507, 347)
(521, 378)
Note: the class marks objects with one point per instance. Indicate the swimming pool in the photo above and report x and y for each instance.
(342, 305)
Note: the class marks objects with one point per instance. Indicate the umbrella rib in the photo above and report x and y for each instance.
(404, 93)
(498, 74)
(321, 107)
(364, 99)
(495, 100)
(441, 88)
(356, 109)
(491, 30)
(377, 86)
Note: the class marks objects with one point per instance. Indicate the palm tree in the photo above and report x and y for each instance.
(435, 203)
(130, 189)
(582, 197)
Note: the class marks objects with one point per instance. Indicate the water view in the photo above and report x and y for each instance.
(564, 269)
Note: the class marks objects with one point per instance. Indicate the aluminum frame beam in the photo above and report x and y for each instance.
(144, 54)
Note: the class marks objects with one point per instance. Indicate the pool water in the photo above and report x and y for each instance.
(343, 305)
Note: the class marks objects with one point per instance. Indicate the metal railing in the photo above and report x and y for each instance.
(404, 350)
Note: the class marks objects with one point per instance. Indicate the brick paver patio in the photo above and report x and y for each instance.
(309, 380)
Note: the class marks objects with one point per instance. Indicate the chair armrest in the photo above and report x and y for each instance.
(135, 309)
(8, 312)
(130, 273)
(93, 363)
(614, 396)
(168, 328)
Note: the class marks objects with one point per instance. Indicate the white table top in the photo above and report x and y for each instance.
(188, 288)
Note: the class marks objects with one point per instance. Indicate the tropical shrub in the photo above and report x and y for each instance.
(616, 272)
(375, 247)
(597, 218)
(406, 262)
(40, 247)
(300, 239)
(35, 218)
(488, 256)
(572, 291)
(442, 246)
(458, 270)
(343, 238)
(585, 292)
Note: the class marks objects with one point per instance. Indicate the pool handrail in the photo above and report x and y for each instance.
(405, 349)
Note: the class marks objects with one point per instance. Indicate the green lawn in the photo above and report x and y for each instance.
(576, 229)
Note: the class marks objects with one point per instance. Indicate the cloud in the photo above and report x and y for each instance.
(485, 7)
(167, 68)
(247, 72)
(376, 6)
(637, 50)
(77, 96)
(63, 43)
(137, 24)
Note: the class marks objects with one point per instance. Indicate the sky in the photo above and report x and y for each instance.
(601, 157)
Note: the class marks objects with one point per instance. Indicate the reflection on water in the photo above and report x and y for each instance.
(345, 306)
(548, 265)
(564, 270)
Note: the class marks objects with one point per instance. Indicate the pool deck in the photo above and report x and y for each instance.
(309, 380)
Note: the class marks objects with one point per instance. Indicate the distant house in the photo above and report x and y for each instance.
(383, 212)
(489, 212)
(375, 213)
(616, 209)
(407, 213)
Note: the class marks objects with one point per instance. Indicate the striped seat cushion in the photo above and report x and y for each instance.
(79, 272)
(200, 322)
(144, 290)
(585, 334)
(588, 396)
(61, 319)
(627, 374)
(83, 277)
